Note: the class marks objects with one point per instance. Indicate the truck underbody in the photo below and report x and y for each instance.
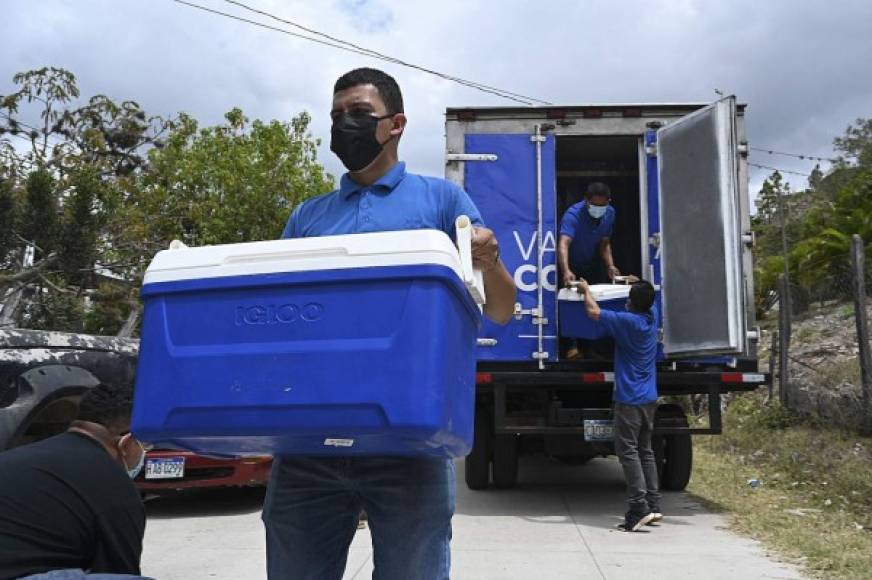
(521, 410)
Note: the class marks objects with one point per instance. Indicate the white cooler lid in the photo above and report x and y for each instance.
(601, 293)
(402, 248)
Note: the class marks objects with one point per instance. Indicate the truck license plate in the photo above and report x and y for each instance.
(599, 430)
(165, 468)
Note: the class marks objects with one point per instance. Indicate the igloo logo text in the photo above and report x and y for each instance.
(268, 314)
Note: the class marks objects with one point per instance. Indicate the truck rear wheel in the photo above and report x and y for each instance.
(477, 470)
(674, 453)
(505, 467)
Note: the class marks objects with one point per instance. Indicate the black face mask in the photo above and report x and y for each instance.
(353, 139)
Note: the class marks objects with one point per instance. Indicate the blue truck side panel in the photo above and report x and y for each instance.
(505, 193)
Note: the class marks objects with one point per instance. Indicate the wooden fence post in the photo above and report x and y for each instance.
(773, 348)
(858, 269)
(784, 315)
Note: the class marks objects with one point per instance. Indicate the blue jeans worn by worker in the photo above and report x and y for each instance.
(73, 574)
(313, 503)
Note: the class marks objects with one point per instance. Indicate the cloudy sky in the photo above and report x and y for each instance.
(804, 68)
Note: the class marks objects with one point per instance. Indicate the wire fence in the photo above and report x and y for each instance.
(819, 354)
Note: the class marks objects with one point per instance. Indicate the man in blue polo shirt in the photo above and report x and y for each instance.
(584, 249)
(635, 334)
(312, 503)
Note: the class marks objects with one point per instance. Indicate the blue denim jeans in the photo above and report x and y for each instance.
(73, 574)
(312, 506)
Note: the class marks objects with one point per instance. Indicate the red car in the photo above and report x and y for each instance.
(166, 469)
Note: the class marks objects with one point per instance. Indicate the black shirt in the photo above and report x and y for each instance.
(65, 503)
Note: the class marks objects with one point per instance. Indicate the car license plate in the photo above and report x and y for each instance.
(599, 430)
(165, 468)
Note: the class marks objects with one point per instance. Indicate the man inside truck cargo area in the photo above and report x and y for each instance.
(68, 507)
(585, 246)
(312, 503)
(635, 396)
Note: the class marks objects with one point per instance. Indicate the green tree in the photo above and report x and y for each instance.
(8, 221)
(821, 257)
(855, 145)
(767, 198)
(40, 222)
(234, 182)
(60, 193)
(815, 178)
(103, 186)
(53, 308)
(81, 229)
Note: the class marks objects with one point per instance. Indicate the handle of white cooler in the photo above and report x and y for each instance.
(473, 278)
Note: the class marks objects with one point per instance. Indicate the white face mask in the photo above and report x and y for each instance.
(597, 211)
(134, 471)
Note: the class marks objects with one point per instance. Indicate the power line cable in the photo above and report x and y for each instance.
(797, 155)
(778, 170)
(366, 52)
(333, 45)
(382, 56)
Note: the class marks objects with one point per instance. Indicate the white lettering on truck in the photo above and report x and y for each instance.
(525, 274)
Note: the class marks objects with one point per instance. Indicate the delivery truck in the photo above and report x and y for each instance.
(679, 181)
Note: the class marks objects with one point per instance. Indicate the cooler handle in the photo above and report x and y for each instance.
(473, 278)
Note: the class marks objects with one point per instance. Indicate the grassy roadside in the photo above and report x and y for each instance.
(813, 503)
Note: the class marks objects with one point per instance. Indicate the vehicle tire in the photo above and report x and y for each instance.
(674, 453)
(505, 463)
(678, 462)
(478, 462)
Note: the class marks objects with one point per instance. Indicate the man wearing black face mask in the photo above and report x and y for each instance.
(313, 503)
(68, 506)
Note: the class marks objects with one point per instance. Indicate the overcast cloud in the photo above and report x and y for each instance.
(804, 68)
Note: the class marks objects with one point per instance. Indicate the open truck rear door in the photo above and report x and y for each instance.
(511, 179)
(701, 251)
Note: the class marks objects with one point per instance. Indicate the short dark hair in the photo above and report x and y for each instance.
(642, 296)
(107, 405)
(598, 189)
(387, 87)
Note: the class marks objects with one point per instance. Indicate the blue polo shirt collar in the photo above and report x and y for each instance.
(388, 181)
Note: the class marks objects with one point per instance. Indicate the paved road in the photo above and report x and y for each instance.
(558, 524)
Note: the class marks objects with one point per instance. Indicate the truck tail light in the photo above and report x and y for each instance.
(598, 377)
(737, 378)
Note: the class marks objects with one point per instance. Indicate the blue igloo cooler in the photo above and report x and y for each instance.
(342, 345)
(574, 321)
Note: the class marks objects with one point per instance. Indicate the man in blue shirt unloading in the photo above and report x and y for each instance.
(635, 334)
(585, 246)
(313, 503)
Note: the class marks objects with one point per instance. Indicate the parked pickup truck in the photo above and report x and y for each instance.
(44, 374)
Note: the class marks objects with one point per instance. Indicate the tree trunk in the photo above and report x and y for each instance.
(858, 263)
(129, 326)
(9, 310)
